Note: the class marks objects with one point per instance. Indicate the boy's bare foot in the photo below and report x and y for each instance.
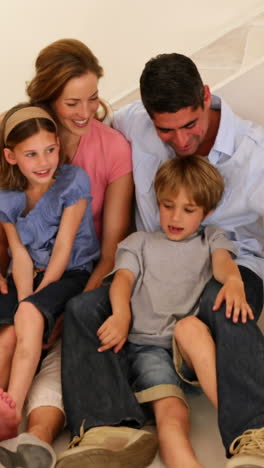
(9, 420)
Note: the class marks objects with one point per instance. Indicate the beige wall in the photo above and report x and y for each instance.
(122, 33)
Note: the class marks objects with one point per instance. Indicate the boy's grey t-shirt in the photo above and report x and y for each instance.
(170, 278)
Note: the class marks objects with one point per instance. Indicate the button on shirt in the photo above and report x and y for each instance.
(238, 154)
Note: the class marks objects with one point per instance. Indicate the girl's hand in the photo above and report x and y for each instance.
(113, 333)
(233, 293)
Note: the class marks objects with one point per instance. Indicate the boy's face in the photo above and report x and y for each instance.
(180, 217)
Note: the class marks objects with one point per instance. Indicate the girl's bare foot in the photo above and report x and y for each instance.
(9, 420)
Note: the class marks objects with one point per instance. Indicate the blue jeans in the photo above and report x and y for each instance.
(95, 385)
(239, 361)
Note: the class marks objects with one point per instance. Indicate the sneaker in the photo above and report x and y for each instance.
(111, 447)
(26, 451)
(248, 450)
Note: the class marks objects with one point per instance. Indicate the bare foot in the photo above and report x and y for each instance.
(9, 420)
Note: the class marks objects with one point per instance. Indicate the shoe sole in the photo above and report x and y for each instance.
(248, 466)
(245, 461)
(138, 455)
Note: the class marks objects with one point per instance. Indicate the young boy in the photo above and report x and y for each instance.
(159, 278)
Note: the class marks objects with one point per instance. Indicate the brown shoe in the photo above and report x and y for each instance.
(111, 447)
(248, 450)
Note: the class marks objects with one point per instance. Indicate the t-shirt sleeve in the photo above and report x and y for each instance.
(12, 205)
(77, 185)
(119, 157)
(218, 240)
(129, 254)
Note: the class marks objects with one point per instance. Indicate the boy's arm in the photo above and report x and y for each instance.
(22, 267)
(69, 225)
(226, 271)
(113, 333)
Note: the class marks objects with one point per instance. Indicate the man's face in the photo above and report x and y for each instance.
(185, 129)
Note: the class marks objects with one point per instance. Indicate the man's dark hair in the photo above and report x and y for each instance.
(170, 82)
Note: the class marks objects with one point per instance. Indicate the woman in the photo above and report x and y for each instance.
(65, 82)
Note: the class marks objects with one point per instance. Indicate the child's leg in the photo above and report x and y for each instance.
(172, 419)
(7, 348)
(29, 326)
(198, 350)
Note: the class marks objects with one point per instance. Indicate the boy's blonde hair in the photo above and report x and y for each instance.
(202, 181)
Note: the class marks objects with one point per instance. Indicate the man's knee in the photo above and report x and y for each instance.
(88, 307)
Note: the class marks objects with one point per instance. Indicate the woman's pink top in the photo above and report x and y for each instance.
(105, 155)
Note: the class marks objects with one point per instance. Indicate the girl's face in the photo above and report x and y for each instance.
(78, 103)
(37, 158)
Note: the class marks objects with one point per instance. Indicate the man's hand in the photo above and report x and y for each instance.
(113, 333)
(3, 285)
(233, 293)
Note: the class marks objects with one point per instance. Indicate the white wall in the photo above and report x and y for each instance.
(124, 34)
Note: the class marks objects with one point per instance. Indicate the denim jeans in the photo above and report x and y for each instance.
(95, 385)
(240, 360)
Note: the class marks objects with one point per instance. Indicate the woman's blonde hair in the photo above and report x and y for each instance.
(55, 65)
(10, 176)
(202, 181)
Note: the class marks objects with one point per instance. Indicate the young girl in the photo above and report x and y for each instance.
(49, 227)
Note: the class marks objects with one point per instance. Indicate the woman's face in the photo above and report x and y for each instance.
(78, 103)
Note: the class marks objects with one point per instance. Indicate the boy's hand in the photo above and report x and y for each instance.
(233, 293)
(113, 333)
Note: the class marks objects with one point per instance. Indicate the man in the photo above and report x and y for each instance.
(178, 117)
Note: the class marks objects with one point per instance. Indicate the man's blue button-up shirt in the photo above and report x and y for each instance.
(238, 153)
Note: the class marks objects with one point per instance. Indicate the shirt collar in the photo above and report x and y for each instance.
(225, 140)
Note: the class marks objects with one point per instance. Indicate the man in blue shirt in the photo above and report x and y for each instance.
(179, 117)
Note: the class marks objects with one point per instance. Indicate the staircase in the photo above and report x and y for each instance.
(233, 66)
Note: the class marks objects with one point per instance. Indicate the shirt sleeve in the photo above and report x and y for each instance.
(218, 240)
(76, 185)
(129, 254)
(123, 119)
(12, 205)
(119, 158)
